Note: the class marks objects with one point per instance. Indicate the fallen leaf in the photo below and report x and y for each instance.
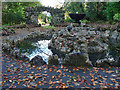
(53, 77)
(92, 80)
(50, 69)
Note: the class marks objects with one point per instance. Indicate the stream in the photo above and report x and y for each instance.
(44, 52)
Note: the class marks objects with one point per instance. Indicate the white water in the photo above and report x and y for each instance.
(42, 50)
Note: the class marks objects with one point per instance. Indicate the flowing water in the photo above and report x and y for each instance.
(41, 50)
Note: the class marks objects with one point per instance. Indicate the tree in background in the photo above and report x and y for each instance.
(13, 12)
(95, 11)
(72, 7)
(112, 8)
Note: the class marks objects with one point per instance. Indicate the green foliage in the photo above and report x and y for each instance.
(3, 27)
(44, 18)
(42, 23)
(6, 27)
(74, 7)
(26, 47)
(95, 11)
(49, 27)
(84, 21)
(112, 8)
(14, 12)
(50, 19)
(117, 17)
(68, 19)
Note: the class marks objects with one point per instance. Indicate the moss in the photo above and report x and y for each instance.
(26, 46)
(114, 50)
(49, 27)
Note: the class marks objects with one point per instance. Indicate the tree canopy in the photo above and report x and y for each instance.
(14, 12)
(94, 10)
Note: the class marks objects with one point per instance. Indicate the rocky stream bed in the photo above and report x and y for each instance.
(75, 57)
(78, 46)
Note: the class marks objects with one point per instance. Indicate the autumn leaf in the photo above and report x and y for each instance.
(61, 66)
(50, 69)
(53, 77)
(6, 78)
(92, 80)
(5, 74)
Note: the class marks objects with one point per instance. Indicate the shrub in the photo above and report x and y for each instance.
(84, 21)
(49, 27)
(117, 17)
(68, 19)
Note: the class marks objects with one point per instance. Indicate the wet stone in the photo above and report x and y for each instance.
(23, 57)
(53, 60)
(77, 59)
(37, 60)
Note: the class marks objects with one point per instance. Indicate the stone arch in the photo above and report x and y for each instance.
(31, 14)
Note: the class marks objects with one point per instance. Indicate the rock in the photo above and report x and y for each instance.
(83, 45)
(23, 57)
(113, 35)
(63, 49)
(75, 24)
(95, 49)
(99, 28)
(53, 60)
(84, 32)
(77, 59)
(5, 33)
(91, 32)
(69, 27)
(66, 34)
(37, 60)
(118, 62)
(106, 34)
(118, 38)
(83, 24)
(82, 40)
(107, 61)
(93, 43)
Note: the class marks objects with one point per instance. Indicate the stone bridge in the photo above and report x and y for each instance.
(31, 14)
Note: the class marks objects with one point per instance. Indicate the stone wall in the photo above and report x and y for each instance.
(32, 13)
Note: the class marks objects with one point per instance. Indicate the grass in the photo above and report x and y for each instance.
(49, 27)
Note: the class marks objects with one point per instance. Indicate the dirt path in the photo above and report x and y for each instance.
(21, 33)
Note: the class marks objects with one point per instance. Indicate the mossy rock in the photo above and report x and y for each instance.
(53, 60)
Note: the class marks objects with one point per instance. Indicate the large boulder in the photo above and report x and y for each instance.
(78, 59)
(23, 57)
(118, 62)
(5, 33)
(53, 60)
(107, 61)
(37, 60)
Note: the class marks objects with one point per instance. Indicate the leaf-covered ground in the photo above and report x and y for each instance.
(19, 74)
